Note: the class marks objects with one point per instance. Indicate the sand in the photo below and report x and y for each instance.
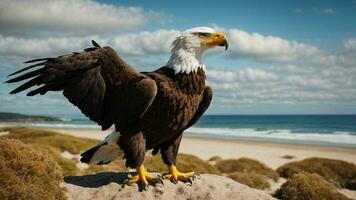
(269, 153)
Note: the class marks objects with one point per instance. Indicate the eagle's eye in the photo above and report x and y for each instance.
(204, 35)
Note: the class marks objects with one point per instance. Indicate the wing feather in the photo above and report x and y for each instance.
(101, 84)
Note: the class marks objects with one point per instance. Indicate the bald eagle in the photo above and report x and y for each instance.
(149, 110)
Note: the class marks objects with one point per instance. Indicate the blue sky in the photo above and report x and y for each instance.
(285, 57)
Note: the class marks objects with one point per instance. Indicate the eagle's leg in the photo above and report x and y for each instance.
(134, 147)
(143, 177)
(169, 155)
(174, 175)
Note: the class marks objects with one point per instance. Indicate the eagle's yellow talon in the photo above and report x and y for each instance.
(174, 175)
(143, 177)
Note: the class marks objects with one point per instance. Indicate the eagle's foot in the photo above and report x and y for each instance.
(143, 178)
(174, 175)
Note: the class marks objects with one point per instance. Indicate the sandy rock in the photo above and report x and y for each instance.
(109, 185)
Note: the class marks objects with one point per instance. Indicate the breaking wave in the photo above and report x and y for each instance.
(339, 138)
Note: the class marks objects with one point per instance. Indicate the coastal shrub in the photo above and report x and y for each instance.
(185, 163)
(215, 159)
(306, 186)
(246, 165)
(338, 172)
(60, 141)
(55, 143)
(288, 157)
(27, 173)
(250, 179)
(68, 166)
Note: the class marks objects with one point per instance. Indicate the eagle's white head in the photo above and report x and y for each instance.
(187, 48)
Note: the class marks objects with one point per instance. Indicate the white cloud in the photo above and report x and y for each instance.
(346, 58)
(267, 48)
(40, 47)
(21, 17)
(156, 42)
(298, 11)
(350, 45)
(290, 69)
(246, 75)
(264, 48)
(291, 87)
(251, 74)
(329, 11)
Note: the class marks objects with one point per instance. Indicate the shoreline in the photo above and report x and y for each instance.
(205, 147)
(99, 134)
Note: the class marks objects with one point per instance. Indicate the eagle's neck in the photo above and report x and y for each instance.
(185, 60)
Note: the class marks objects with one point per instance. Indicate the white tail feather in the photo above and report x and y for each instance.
(104, 152)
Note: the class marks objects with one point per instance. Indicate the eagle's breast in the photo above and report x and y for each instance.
(178, 98)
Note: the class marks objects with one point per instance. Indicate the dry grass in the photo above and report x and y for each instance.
(185, 163)
(250, 179)
(338, 172)
(55, 143)
(306, 186)
(246, 165)
(288, 157)
(27, 173)
(215, 159)
(59, 141)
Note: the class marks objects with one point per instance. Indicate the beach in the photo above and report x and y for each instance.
(267, 152)
(272, 155)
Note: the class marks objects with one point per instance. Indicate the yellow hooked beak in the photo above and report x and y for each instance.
(216, 39)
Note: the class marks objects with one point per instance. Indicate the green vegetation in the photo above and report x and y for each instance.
(288, 157)
(306, 186)
(246, 165)
(48, 146)
(250, 179)
(338, 172)
(16, 117)
(42, 137)
(185, 163)
(55, 143)
(27, 173)
(215, 159)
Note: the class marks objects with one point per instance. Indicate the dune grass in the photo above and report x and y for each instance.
(246, 165)
(338, 172)
(306, 186)
(288, 157)
(55, 143)
(214, 159)
(59, 141)
(27, 173)
(250, 179)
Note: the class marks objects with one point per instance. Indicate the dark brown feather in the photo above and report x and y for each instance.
(102, 85)
(26, 68)
(150, 110)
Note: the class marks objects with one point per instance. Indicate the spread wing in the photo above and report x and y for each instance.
(102, 85)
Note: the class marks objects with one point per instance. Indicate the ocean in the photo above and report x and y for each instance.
(330, 130)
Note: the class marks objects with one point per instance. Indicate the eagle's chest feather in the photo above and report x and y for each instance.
(178, 98)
